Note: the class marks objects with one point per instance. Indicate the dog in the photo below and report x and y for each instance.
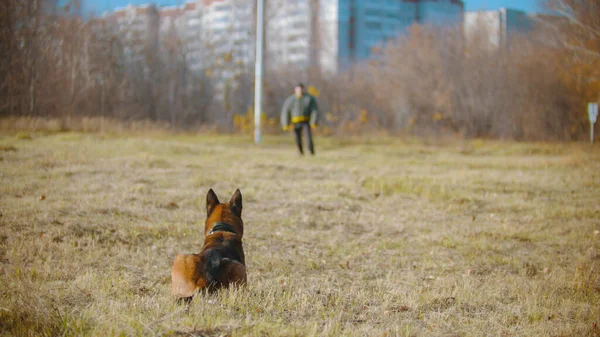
(220, 262)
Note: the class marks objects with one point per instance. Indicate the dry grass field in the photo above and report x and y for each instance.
(368, 238)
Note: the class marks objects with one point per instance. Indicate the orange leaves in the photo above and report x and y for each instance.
(363, 117)
(245, 123)
(228, 57)
(313, 91)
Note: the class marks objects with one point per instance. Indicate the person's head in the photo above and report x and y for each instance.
(299, 89)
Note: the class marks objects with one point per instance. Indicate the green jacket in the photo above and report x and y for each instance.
(299, 110)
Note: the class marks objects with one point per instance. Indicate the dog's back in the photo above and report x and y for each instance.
(221, 261)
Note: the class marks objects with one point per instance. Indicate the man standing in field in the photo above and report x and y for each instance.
(300, 110)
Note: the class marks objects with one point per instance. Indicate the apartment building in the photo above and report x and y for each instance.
(289, 33)
(184, 25)
(192, 34)
(144, 27)
(364, 25)
(330, 34)
(229, 29)
(140, 28)
(335, 33)
(494, 28)
(228, 34)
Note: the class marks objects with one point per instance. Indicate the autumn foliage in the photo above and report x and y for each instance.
(429, 81)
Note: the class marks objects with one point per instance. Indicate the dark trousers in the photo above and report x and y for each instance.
(298, 127)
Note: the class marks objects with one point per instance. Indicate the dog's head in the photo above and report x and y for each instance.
(228, 215)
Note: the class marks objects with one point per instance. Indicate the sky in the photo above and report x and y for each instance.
(100, 6)
(529, 6)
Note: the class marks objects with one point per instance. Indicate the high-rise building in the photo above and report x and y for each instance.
(228, 35)
(192, 34)
(329, 34)
(229, 29)
(494, 28)
(183, 24)
(139, 27)
(215, 37)
(346, 31)
(288, 33)
(362, 25)
(171, 20)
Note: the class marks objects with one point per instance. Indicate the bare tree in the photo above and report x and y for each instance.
(576, 30)
(437, 82)
(578, 25)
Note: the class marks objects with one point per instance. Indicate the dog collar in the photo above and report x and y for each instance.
(222, 227)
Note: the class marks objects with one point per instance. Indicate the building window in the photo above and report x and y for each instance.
(222, 8)
(372, 12)
(373, 25)
(294, 38)
(297, 50)
(299, 25)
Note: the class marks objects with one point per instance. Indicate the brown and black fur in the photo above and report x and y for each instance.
(221, 260)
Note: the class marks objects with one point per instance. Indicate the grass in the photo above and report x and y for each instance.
(368, 238)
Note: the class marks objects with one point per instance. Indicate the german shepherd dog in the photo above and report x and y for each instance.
(221, 260)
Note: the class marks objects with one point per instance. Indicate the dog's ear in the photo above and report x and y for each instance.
(236, 202)
(211, 201)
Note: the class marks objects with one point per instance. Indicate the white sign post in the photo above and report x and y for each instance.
(593, 114)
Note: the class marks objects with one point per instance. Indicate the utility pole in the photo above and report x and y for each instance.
(258, 72)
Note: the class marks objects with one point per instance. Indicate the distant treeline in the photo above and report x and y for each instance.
(429, 81)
